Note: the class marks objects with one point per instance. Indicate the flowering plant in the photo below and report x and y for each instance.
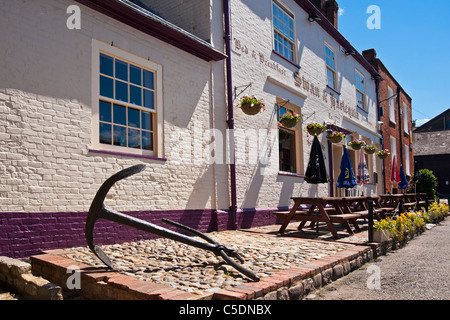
(290, 116)
(383, 154)
(438, 211)
(357, 144)
(251, 105)
(335, 136)
(290, 119)
(315, 128)
(370, 149)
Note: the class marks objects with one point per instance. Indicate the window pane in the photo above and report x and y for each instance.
(135, 95)
(106, 65)
(149, 79)
(135, 75)
(147, 121)
(119, 115)
(120, 136)
(105, 111)
(105, 133)
(134, 138)
(121, 91)
(330, 75)
(133, 118)
(121, 70)
(287, 151)
(106, 87)
(149, 99)
(147, 140)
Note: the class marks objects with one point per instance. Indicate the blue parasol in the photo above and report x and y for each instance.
(346, 177)
(403, 184)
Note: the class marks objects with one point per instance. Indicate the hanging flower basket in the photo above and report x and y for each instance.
(383, 154)
(336, 137)
(290, 120)
(370, 149)
(315, 129)
(357, 144)
(251, 105)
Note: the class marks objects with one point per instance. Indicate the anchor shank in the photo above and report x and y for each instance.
(155, 229)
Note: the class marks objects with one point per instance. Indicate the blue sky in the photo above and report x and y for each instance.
(413, 43)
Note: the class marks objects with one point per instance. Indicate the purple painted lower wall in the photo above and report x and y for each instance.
(25, 234)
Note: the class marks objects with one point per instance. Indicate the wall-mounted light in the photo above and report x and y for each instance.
(314, 17)
(349, 52)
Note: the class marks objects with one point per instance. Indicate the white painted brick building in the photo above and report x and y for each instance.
(67, 123)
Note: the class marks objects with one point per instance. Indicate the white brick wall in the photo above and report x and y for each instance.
(45, 111)
(45, 116)
(252, 27)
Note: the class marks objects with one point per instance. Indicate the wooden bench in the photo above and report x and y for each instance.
(282, 215)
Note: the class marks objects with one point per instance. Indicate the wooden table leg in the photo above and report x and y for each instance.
(289, 217)
(327, 220)
(310, 212)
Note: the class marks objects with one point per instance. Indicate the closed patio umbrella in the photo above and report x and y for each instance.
(346, 177)
(363, 171)
(316, 172)
(403, 181)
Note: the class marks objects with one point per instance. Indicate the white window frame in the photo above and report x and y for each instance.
(407, 168)
(99, 47)
(393, 142)
(329, 68)
(391, 105)
(290, 14)
(364, 103)
(405, 118)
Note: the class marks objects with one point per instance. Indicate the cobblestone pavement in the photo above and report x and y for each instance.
(419, 271)
(198, 271)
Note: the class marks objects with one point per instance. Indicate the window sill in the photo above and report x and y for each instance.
(123, 154)
(362, 109)
(290, 174)
(287, 60)
(334, 90)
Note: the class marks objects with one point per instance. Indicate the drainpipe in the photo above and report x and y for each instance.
(230, 121)
(400, 122)
(383, 170)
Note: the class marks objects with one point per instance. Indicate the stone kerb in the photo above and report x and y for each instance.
(291, 284)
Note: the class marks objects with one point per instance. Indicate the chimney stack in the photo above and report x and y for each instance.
(370, 55)
(329, 9)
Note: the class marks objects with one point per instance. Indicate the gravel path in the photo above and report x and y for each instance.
(419, 271)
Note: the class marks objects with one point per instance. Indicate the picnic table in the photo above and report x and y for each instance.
(408, 200)
(328, 210)
(390, 200)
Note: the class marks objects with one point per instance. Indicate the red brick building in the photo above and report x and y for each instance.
(396, 116)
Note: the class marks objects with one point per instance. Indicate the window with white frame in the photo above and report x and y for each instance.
(284, 35)
(391, 105)
(330, 60)
(360, 81)
(405, 118)
(393, 150)
(407, 168)
(126, 102)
